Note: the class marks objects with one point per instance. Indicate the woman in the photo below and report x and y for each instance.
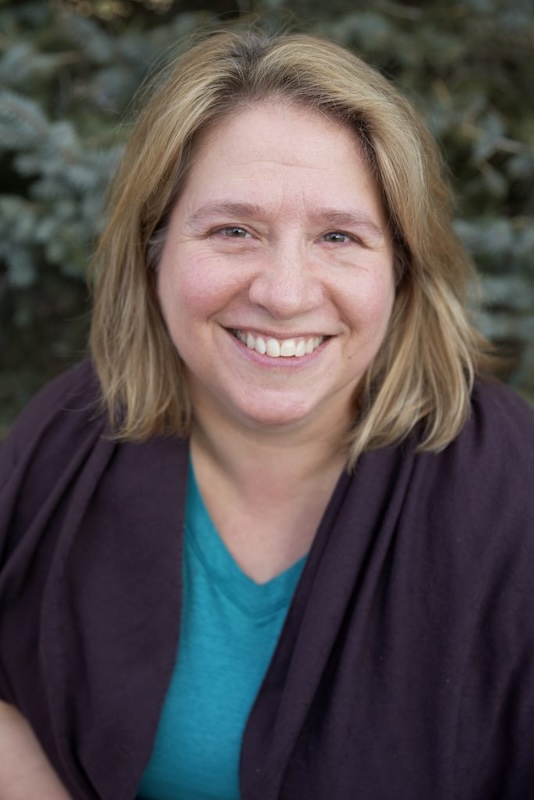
(274, 540)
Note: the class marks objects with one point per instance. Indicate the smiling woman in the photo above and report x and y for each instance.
(274, 539)
(249, 256)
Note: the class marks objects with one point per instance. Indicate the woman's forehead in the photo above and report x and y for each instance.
(271, 152)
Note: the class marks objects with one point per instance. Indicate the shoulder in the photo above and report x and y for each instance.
(65, 409)
(501, 415)
(494, 447)
(473, 500)
(73, 390)
(498, 439)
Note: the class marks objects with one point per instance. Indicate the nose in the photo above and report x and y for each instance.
(286, 284)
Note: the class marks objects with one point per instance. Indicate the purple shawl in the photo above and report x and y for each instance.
(405, 669)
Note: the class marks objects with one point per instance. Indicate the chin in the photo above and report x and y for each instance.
(277, 417)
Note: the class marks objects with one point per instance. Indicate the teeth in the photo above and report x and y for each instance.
(273, 348)
(276, 348)
(288, 348)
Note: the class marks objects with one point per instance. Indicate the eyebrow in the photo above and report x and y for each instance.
(336, 218)
(348, 219)
(226, 208)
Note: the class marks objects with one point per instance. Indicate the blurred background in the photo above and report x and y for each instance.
(70, 68)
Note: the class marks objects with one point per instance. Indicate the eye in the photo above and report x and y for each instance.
(232, 232)
(337, 237)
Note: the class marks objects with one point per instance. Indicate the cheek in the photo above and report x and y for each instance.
(173, 298)
(194, 291)
(372, 306)
(180, 291)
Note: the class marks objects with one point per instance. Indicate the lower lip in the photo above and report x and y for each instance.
(282, 362)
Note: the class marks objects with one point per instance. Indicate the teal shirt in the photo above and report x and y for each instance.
(229, 629)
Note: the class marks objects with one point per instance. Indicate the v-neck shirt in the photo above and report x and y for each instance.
(229, 629)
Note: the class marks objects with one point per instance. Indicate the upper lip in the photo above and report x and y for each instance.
(281, 336)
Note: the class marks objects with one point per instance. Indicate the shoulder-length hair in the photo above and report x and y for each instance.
(424, 370)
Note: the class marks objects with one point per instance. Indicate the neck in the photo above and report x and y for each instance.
(266, 489)
(269, 463)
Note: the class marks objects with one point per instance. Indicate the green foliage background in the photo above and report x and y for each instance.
(69, 70)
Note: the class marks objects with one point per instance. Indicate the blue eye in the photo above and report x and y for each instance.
(233, 232)
(336, 237)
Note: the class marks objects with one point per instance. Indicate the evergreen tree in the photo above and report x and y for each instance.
(69, 70)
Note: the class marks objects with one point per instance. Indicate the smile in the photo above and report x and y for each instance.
(279, 348)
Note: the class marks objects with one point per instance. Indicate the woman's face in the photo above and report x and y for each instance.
(276, 280)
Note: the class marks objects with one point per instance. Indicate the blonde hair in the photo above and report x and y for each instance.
(424, 371)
